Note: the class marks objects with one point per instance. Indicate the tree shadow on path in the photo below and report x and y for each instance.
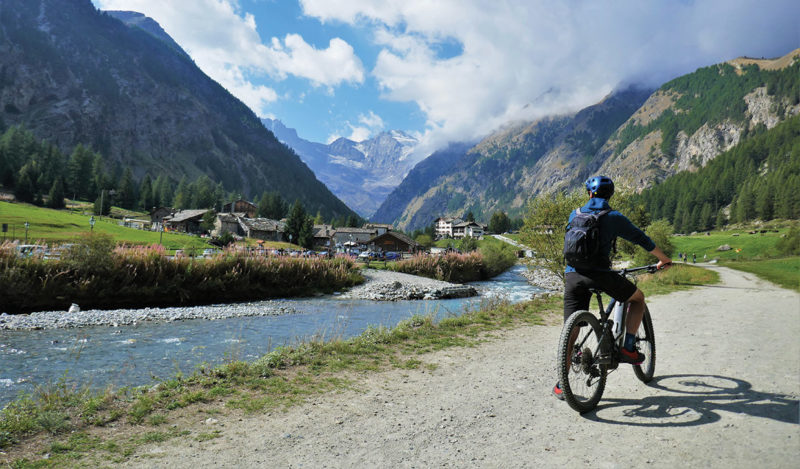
(696, 400)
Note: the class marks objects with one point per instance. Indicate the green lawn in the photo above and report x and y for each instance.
(65, 226)
(744, 246)
(784, 272)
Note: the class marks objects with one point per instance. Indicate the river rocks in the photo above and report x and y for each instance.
(543, 278)
(382, 285)
(123, 317)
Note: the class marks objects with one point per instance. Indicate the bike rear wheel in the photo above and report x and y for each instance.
(582, 379)
(646, 343)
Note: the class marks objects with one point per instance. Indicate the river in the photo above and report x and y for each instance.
(135, 355)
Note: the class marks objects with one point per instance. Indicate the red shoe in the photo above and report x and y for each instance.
(558, 392)
(634, 358)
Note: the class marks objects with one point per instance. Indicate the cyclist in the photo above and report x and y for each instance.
(577, 283)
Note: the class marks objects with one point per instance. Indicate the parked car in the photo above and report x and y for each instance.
(30, 250)
(391, 256)
(208, 252)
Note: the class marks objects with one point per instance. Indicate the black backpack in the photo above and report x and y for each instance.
(582, 241)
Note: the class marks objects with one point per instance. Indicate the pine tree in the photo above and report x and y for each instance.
(56, 195)
(79, 172)
(182, 198)
(126, 192)
(146, 199)
(296, 221)
(720, 221)
(25, 187)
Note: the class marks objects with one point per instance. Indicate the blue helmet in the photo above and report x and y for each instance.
(600, 186)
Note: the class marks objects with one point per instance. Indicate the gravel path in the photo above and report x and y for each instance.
(725, 395)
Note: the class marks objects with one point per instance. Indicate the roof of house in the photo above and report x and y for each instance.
(348, 230)
(262, 224)
(468, 223)
(379, 225)
(323, 231)
(396, 234)
(452, 220)
(185, 215)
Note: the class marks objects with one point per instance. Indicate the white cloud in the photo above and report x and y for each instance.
(226, 45)
(528, 58)
(371, 120)
(370, 124)
(359, 134)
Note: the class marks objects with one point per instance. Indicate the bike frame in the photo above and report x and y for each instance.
(607, 347)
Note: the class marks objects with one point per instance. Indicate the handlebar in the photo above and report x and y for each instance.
(649, 268)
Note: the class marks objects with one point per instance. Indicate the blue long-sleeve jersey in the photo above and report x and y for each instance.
(613, 225)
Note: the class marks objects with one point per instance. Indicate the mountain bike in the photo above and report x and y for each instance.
(589, 348)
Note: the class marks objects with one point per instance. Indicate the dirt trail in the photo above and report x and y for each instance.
(725, 395)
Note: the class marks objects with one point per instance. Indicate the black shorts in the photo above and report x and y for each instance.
(576, 289)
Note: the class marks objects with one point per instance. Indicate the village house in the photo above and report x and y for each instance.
(262, 228)
(356, 236)
(393, 241)
(443, 226)
(227, 223)
(157, 217)
(185, 221)
(249, 209)
(467, 228)
(323, 235)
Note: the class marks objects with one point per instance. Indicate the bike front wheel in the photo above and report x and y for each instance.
(582, 378)
(646, 343)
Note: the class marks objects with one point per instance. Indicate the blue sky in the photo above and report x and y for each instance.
(454, 70)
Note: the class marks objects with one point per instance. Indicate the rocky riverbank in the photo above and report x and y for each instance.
(384, 285)
(543, 278)
(126, 317)
(379, 286)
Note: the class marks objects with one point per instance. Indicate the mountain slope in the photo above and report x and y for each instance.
(419, 181)
(361, 173)
(72, 74)
(508, 167)
(692, 119)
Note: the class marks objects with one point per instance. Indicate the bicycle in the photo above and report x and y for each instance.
(585, 361)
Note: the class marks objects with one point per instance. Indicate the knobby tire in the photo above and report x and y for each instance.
(582, 391)
(646, 342)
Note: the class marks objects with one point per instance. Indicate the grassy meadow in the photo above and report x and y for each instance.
(48, 226)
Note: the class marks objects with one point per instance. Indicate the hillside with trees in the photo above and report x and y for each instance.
(86, 82)
(756, 180)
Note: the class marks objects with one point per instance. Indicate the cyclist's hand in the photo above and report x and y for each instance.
(662, 265)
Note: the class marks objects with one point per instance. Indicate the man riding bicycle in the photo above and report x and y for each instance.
(578, 282)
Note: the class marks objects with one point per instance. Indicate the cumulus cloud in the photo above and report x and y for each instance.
(225, 44)
(525, 59)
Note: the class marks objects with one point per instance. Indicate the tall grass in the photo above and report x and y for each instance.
(459, 268)
(97, 274)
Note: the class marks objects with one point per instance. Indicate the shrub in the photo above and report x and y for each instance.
(459, 268)
(94, 274)
(790, 245)
(660, 231)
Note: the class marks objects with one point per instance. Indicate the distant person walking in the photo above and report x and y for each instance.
(694, 258)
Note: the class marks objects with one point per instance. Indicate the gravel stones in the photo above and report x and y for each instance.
(543, 278)
(383, 285)
(121, 317)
